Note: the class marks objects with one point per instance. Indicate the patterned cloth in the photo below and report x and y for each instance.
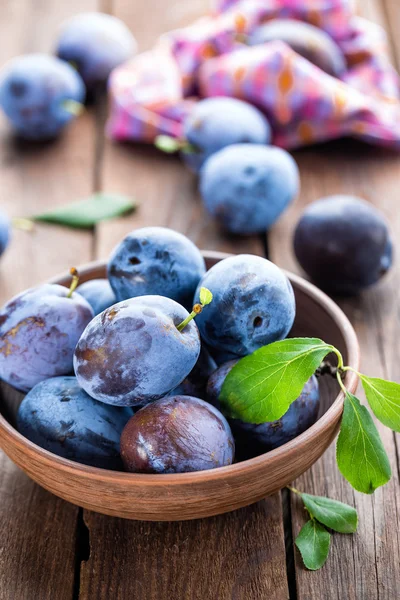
(152, 93)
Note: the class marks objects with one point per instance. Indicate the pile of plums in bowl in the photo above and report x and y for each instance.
(122, 376)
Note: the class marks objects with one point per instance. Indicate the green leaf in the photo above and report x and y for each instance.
(86, 213)
(262, 386)
(332, 513)
(205, 296)
(360, 454)
(313, 542)
(167, 144)
(384, 399)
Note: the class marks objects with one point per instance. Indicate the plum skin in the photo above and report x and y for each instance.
(246, 187)
(343, 244)
(33, 89)
(39, 330)
(60, 417)
(253, 305)
(156, 261)
(133, 353)
(218, 122)
(196, 382)
(179, 434)
(254, 439)
(96, 43)
(5, 231)
(99, 294)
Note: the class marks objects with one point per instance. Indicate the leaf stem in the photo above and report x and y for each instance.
(339, 357)
(23, 223)
(74, 282)
(294, 490)
(343, 387)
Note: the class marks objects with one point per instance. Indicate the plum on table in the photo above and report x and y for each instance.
(133, 352)
(61, 418)
(177, 435)
(253, 305)
(40, 94)
(343, 243)
(156, 261)
(246, 187)
(99, 294)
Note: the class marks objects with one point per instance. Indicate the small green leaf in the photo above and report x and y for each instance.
(332, 513)
(313, 542)
(205, 296)
(262, 386)
(85, 214)
(384, 399)
(360, 454)
(167, 144)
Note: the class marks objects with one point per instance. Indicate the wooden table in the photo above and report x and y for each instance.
(52, 550)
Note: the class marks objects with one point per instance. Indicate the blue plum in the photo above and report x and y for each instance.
(5, 231)
(196, 382)
(307, 40)
(177, 435)
(246, 187)
(35, 93)
(253, 305)
(218, 122)
(61, 418)
(156, 261)
(99, 294)
(95, 43)
(251, 439)
(133, 353)
(39, 330)
(343, 243)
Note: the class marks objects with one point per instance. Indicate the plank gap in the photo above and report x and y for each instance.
(82, 551)
(289, 545)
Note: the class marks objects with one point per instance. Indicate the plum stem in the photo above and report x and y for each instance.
(74, 282)
(205, 298)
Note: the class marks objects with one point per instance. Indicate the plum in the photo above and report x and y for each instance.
(95, 43)
(39, 330)
(246, 187)
(177, 435)
(5, 231)
(343, 244)
(40, 94)
(99, 294)
(252, 439)
(156, 261)
(218, 122)
(253, 305)
(61, 418)
(196, 382)
(133, 353)
(307, 40)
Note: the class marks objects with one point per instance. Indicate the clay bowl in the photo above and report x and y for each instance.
(205, 493)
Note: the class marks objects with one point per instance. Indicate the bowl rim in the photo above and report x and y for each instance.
(230, 471)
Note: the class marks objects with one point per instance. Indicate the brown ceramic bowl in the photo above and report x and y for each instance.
(193, 495)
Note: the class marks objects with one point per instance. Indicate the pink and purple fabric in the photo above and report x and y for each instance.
(152, 93)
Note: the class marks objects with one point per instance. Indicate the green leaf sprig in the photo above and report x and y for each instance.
(171, 145)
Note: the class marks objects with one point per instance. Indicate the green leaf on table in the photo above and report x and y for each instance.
(313, 542)
(360, 454)
(167, 144)
(86, 213)
(384, 399)
(205, 296)
(262, 386)
(332, 513)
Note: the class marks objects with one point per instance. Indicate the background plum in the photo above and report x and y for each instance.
(5, 231)
(246, 187)
(218, 122)
(35, 94)
(305, 39)
(99, 294)
(95, 43)
(252, 439)
(39, 330)
(133, 353)
(177, 435)
(253, 305)
(343, 244)
(156, 261)
(60, 417)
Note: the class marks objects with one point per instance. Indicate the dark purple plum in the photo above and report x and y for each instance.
(156, 261)
(196, 382)
(61, 418)
(133, 353)
(39, 330)
(177, 435)
(252, 439)
(343, 243)
(253, 305)
(99, 294)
